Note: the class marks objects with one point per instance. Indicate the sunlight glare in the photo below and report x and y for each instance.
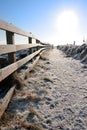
(67, 25)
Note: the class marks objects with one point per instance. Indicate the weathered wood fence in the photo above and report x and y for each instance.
(10, 48)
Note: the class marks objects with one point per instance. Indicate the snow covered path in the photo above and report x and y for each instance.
(60, 86)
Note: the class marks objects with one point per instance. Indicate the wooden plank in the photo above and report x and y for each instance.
(34, 63)
(30, 67)
(28, 58)
(27, 46)
(42, 52)
(13, 48)
(10, 40)
(5, 101)
(10, 27)
(7, 49)
(22, 47)
(6, 71)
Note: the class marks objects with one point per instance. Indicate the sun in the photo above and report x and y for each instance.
(67, 20)
(67, 24)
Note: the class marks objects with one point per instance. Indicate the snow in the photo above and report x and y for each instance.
(58, 85)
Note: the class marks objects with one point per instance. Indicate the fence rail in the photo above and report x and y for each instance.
(11, 28)
(11, 49)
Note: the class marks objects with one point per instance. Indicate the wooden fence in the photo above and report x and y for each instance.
(10, 48)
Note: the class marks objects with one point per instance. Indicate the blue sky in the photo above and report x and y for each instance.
(40, 16)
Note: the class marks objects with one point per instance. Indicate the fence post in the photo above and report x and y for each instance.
(10, 40)
(37, 41)
(30, 42)
(31, 49)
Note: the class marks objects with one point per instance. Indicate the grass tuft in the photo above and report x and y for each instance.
(35, 113)
(28, 94)
(6, 118)
(31, 126)
(19, 81)
(43, 58)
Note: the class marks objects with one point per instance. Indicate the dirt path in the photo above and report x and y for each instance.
(54, 96)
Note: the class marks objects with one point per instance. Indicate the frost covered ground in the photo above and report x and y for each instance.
(54, 96)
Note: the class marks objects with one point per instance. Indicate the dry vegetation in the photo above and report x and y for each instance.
(60, 86)
(43, 90)
(18, 81)
(6, 118)
(31, 126)
(28, 94)
(32, 111)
